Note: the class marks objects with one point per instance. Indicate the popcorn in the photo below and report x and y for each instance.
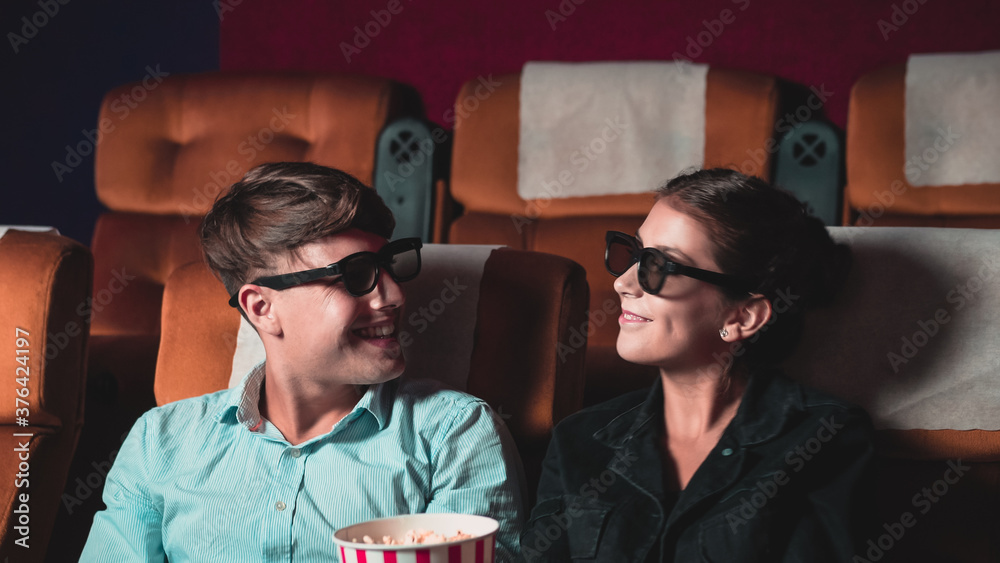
(412, 537)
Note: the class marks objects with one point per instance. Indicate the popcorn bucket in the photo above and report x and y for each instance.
(479, 548)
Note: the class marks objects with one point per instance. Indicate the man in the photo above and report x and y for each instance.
(322, 434)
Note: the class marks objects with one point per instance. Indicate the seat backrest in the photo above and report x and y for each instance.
(44, 285)
(522, 358)
(740, 114)
(879, 172)
(913, 339)
(170, 145)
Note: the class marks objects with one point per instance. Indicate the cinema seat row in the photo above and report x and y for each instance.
(157, 314)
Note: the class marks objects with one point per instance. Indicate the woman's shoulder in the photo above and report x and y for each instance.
(592, 418)
(818, 407)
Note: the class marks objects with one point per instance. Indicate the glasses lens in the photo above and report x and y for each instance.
(652, 271)
(359, 275)
(620, 256)
(405, 264)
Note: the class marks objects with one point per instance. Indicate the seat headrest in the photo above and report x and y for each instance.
(740, 110)
(913, 337)
(169, 144)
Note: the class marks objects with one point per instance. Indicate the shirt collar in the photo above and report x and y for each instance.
(244, 401)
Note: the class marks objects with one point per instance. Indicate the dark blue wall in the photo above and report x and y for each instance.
(51, 90)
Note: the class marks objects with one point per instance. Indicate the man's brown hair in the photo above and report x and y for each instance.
(277, 208)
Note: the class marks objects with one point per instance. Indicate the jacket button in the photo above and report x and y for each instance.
(727, 452)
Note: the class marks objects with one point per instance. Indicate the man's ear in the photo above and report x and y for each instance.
(259, 309)
(747, 318)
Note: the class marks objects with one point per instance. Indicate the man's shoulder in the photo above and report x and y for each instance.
(432, 394)
(184, 413)
(434, 406)
(814, 401)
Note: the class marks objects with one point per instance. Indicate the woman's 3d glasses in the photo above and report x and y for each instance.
(359, 271)
(654, 267)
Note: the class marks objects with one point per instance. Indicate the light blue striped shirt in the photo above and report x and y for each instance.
(207, 479)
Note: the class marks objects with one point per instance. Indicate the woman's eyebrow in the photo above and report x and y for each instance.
(667, 250)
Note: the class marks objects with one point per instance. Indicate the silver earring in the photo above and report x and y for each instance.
(723, 332)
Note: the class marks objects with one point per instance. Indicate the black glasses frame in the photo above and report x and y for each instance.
(383, 258)
(668, 268)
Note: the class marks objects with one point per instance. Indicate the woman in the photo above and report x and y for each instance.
(723, 459)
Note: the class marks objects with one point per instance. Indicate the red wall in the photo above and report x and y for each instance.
(437, 45)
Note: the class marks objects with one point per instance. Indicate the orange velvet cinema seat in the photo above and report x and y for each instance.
(44, 278)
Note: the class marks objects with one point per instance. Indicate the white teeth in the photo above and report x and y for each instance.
(629, 317)
(376, 331)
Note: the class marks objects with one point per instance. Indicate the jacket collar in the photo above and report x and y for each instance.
(767, 403)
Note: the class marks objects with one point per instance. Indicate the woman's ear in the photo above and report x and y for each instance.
(259, 309)
(747, 318)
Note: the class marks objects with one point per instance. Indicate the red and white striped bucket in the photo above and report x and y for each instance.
(480, 548)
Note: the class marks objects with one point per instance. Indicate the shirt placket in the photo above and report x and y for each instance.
(286, 482)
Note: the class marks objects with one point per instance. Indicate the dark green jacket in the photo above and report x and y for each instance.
(790, 480)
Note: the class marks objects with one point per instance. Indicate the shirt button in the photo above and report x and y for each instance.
(295, 452)
(279, 505)
(727, 452)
